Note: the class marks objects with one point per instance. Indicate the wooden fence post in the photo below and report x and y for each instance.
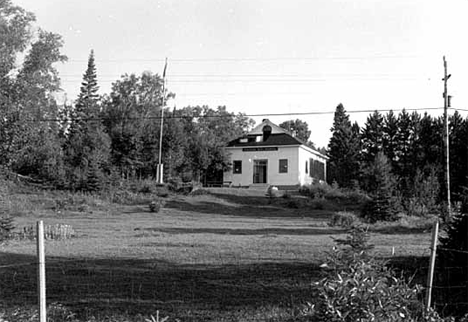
(430, 274)
(41, 282)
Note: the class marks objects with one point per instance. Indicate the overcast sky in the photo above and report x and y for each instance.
(267, 56)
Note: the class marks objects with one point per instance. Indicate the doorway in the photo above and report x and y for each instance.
(260, 171)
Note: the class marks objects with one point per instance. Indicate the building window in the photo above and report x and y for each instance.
(237, 169)
(317, 169)
(307, 167)
(283, 166)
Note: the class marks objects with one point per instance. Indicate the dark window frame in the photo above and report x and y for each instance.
(237, 169)
(283, 168)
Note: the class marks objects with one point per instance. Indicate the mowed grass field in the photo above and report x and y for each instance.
(229, 255)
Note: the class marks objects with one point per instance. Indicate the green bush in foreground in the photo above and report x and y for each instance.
(361, 288)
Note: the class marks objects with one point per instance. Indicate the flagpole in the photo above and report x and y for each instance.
(160, 166)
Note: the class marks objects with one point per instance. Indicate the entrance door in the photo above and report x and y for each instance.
(260, 171)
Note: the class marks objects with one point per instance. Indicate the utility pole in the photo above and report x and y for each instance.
(160, 169)
(446, 140)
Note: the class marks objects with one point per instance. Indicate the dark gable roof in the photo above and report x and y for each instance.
(273, 139)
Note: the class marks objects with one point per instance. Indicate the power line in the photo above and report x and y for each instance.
(234, 115)
(291, 80)
(248, 59)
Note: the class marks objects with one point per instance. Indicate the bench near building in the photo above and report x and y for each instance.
(270, 155)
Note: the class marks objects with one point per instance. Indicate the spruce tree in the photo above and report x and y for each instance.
(343, 150)
(87, 145)
(458, 154)
(372, 137)
(87, 103)
(381, 183)
(389, 140)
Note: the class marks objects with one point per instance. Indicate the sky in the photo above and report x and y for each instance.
(267, 57)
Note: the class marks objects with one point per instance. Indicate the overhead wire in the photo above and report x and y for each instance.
(247, 59)
(234, 115)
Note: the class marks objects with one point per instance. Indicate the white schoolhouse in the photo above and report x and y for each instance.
(270, 155)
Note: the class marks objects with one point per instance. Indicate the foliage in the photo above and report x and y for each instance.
(458, 132)
(424, 193)
(199, 192)
(299, 128)
(343, 219)
(155, 206)
(372, 137)
(27, 89)
(318, 190)
(381, 185)
(87, 145)
(7, 224)
(361, 288)
(343, 150)
(454, 253)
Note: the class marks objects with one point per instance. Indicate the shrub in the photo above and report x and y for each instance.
(380, 208)
(360, 288)
(318, 204)
(124, 197)
(343, 219)
(162, 191)
(424, 191)
(293, 203)
(6, 227)
(452, 260)
(199, 192)
(316, 190)
(156, 205)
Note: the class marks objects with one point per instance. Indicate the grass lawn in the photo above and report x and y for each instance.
(225, 256)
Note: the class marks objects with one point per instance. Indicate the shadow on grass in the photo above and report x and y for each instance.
(93, 286)
(241, 232)
(400, 230)
(250, 210)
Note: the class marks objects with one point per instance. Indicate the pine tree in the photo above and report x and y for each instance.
(390, 131)
(458, 154)
(343, 150)
(87, 145)
(87, 103)
(381, 183)
(372, 137)
(452, 261)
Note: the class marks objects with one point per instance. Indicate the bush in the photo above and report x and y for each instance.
(6, 227)
(162, 191)
(343, 219)
(453, 264)
(293, 203)
(316, 190)
(360, 288)
(156, 205)
(199, 192)
(124, 197)
(318, 204)
(380, 208)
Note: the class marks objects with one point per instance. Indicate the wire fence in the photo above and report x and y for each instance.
(450, 287)
(139, 285)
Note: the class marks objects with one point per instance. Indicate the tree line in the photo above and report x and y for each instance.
(399, 156)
